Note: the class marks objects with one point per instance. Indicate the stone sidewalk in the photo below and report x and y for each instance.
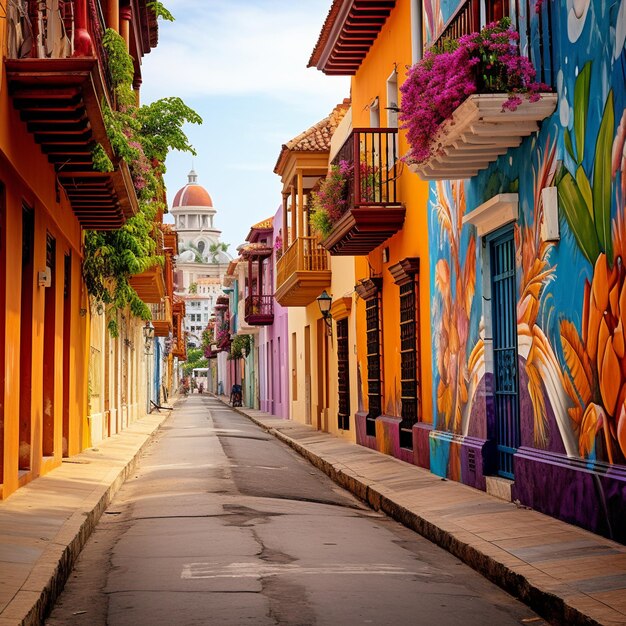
(45, 524)
(566, 574)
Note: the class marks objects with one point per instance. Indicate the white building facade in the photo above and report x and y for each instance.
(202, 260)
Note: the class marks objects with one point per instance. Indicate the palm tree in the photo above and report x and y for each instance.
(198, 258)
(215, 249)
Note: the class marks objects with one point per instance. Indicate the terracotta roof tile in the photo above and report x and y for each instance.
(317, 138)
(267, 223)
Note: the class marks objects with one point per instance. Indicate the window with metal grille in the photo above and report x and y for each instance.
(408, 362)
(374, 383)
(343, 375)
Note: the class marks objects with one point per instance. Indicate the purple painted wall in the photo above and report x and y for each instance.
(273, 353)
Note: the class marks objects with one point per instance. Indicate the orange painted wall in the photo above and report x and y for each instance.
(392, 49)
(30, 179)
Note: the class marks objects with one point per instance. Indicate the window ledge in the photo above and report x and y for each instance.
(496, 212)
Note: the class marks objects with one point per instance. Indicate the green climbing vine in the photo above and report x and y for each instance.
(160, 11)
(141, 136)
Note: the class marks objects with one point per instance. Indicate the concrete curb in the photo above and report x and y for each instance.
(546, 603)
(30, 605)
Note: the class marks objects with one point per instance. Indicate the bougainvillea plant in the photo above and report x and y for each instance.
(333, 198)
(330, 201)
(483, 62)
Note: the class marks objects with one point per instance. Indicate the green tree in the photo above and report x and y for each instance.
(215, 249)
(195, 359)
(142, 136)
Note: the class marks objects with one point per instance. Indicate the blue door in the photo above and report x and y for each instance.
(504, 322)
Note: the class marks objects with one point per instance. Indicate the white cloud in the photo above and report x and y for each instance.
(221, 48)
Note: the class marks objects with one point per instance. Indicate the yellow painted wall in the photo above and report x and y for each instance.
(392, 49)
(342, 285)
(323, 400)
(116, 400)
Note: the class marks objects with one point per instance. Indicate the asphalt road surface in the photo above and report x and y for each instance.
(222, 524)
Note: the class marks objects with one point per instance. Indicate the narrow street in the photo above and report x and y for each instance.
(223, 524)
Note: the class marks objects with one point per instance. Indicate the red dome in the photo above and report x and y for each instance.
(192, 194)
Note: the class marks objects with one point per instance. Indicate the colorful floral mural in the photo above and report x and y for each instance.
(571, 293)
(455, 284)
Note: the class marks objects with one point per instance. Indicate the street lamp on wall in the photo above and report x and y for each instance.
(148, 336)
(324, 301)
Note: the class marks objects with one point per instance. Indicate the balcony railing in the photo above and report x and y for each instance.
(259, 310)
(372, 154)
(57, 70)
(162, 317)
(374, 212)
(533, 27)
(302, 273)
(304, 255)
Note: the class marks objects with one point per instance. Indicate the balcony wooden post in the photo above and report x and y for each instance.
(285, 233)
(300, 204)
(250, 273)
(83, 46)
(293, 214)
(113, 15)
(126, 15)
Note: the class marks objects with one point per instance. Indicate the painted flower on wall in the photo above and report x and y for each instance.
(533, 258)
(597, 382)
(455, 282)
(595, 379)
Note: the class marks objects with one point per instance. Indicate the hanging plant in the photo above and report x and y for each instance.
(482, 62)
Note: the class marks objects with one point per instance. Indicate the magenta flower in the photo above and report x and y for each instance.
(485, 62)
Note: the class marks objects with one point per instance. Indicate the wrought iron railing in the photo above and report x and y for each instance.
(370, 156)
(304, 254)
(534, 27)
(259, 305)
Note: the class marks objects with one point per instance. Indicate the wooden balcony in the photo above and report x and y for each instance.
(259, 310)
(179, 349)
(179, 343)
(374, 212)
(150, 285)
(162, 317)
(302, 273)
(478, 132)
(59, 87)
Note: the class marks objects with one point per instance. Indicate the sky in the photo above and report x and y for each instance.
(240, 64)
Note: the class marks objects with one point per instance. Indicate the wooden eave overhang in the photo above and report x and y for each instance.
(261, 230)
(290, 161)
(254, 253)
(148, 25)
(349, 31)
(309, 164)
(59, 100)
